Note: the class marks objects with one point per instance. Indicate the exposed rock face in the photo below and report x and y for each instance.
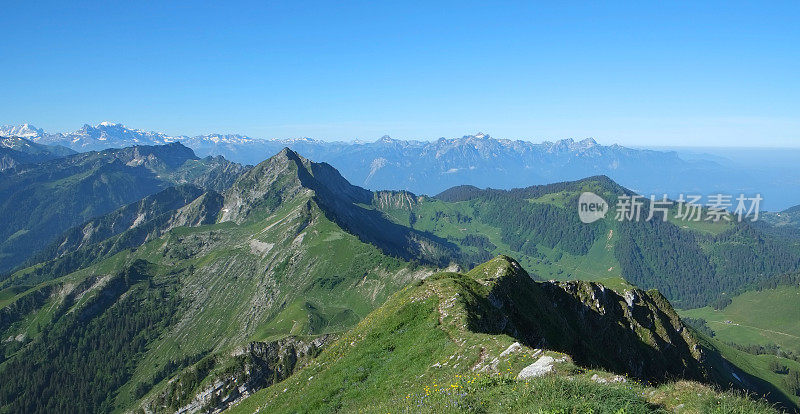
(125, 218)
(131, 226)
(263, 188)
(638, 334)
(253, 367)
(394, 200)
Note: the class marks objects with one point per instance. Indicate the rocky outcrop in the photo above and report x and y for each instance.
(636, 333)
(133, 215)
(248, 369)
(385, 200)
(542, 366)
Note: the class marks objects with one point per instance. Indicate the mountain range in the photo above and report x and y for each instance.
(429, 167)
(191, 276)
(15, 151)
(40, 201)
(171, 283)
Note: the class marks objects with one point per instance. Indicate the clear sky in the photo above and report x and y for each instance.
(638, 73)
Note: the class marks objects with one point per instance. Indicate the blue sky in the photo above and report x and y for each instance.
(661, 73)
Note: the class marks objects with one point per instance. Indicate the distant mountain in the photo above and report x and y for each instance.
(191, 299)
(105, 135)
(40, 201)
(22, 131)
(102, 136)
(27, 146)
(429, 167)
(15, 150)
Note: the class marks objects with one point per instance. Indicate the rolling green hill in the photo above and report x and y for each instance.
(692, 263)
(737, 368)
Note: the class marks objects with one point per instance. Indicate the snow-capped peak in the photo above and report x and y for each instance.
(24, 131)
(302, 139)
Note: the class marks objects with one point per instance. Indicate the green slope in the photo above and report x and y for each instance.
(428, 349)
(291, 252)
(789, 218)
(38, 202)
(692, 263)
(273, 270)
(739, 369)
(769, 316)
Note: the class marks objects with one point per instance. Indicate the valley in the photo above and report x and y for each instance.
(769, 316)
(400, 207)
(230, 287)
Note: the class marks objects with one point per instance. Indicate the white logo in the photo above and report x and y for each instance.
(591, 207)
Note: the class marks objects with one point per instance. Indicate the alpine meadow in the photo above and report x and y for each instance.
(627, 240)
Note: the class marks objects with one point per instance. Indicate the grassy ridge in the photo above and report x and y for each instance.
(294, 271)
(416, 353)
(286, 265)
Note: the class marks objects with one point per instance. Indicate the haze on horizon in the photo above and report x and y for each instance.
(657, 75)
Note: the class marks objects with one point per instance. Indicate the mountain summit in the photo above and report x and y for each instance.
(220, 280)
(23, 131)
(287, 176)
